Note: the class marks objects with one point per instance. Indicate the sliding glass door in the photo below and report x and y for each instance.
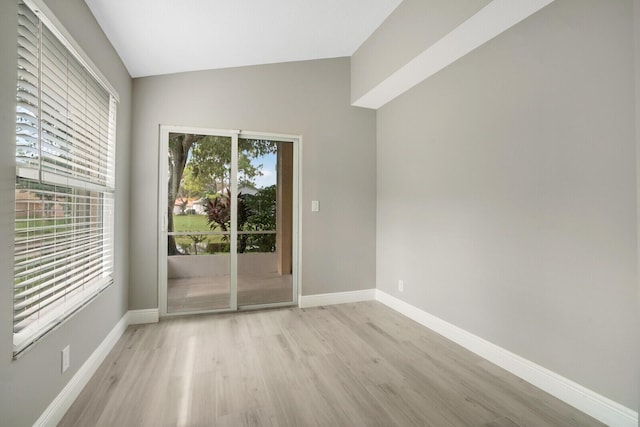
(198, 249)
(227, 238)
(265, 213)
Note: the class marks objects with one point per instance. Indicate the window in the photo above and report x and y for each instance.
(65, 147)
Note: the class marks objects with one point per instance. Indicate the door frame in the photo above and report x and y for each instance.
(162, 209)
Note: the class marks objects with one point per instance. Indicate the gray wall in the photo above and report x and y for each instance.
(28, 385)
(506, 194)
(338, 167)
(412, 27)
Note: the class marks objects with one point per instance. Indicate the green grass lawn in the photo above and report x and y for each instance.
(197, 224)
(39, 222)
(193, 224)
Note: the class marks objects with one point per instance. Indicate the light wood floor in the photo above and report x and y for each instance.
(345, 365)
(212, 292)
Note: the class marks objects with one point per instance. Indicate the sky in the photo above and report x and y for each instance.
(268, 177)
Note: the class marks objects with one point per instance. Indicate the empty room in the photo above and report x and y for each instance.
(320, 213)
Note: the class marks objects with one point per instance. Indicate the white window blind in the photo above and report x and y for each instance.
(65, 151)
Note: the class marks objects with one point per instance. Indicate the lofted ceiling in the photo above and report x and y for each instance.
(167, 36)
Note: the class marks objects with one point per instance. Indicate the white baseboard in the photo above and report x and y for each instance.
(139, 317)
(336, 298)
(56, 410)
(599, 407)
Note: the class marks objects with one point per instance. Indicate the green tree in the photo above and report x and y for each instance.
(200, 165)
(179, 146)
(210, 164)
(263, 208)
(263, 217)
(218, 212)
(197, 239)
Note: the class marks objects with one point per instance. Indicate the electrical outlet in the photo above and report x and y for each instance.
(66, 358)
(315, 206)
(401, 285)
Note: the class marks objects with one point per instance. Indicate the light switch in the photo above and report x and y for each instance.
(315, 206)
(66, 355)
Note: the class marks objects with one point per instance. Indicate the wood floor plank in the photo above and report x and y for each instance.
(358, 364)
(501, 422)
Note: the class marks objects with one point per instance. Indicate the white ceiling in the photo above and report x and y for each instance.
(167, 36)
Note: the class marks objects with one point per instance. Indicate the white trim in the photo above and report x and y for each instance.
(61, 404)
(297, 221)
(490, 21)
(580, 397)
(140, 317)
(296, 140)
(233, 232)
(163, 216)
(56, 409)
(337, 298)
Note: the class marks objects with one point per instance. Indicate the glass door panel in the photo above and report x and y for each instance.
(198, 226)
(227, 238)
(265, 222)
